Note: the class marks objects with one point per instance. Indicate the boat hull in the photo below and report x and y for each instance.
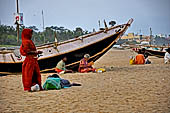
(95, 50)
(159, 54)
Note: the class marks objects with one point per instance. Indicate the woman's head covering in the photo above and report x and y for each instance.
(86, 56)
(27, 44)
(26, 34)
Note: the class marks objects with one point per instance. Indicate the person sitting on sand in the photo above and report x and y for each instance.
(147, 61)
(140, 59)
(167, 56)
(84, 66)
(61, 67)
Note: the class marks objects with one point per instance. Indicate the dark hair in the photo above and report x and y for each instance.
(168, 50)
(139, 51)
(64, 57)
(143, 49)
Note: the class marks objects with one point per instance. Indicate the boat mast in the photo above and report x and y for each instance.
(17, 23)
(99, 24)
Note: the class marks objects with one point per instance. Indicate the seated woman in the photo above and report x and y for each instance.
(61, 67)
(84, 66)
(140, 59)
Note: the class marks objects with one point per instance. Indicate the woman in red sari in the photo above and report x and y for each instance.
(84, 66)
(30, 68)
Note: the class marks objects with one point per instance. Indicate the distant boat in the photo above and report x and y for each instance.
(157, 51)
(118, 47)
(96, 44)
(144, 43)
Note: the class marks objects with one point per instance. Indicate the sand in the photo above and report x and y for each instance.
(123, 88)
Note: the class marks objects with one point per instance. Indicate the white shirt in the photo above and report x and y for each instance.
(167, 58)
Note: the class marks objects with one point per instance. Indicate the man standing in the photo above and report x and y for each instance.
(167, 56)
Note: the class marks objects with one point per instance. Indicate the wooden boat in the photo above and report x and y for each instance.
(158, 51)
(96, 44)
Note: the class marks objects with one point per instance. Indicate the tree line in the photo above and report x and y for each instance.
(8, 34)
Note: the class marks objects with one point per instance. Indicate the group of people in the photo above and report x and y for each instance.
(31, 72)
(31, 76)
(141, 58)
(84, 66)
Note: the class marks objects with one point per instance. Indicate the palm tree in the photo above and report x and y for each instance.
(112, 23)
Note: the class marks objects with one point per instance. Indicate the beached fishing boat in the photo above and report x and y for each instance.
(96, 44)
(158, 51)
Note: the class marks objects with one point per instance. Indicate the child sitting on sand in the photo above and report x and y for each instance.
(61, 67)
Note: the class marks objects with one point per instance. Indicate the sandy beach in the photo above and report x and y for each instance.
(123, 88)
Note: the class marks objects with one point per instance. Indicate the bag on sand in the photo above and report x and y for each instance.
(52, 83)
(100, 70)
(63, 82)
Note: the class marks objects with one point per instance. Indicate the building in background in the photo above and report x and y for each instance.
(137, 38)
(132, 38)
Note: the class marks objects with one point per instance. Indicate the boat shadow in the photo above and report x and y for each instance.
(1, 75)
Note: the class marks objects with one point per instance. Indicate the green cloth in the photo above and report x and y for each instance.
(52, 83)
(61, 65)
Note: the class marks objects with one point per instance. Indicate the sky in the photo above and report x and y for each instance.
(86, 13)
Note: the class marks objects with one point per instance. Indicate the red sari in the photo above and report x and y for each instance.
(30, 68)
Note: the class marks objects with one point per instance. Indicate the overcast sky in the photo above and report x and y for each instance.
(86, 13)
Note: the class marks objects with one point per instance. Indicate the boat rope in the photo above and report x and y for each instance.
(12, 57)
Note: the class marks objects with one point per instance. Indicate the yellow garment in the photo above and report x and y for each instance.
(132, 61)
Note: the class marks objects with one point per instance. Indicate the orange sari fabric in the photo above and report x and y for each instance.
(140, 59)
(30, 68)
(58, 70)
(84, 67)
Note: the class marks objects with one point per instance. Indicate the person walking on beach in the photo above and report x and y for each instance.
(167, 56)
(30, 69)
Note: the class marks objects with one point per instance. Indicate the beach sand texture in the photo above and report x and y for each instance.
(123, 88)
